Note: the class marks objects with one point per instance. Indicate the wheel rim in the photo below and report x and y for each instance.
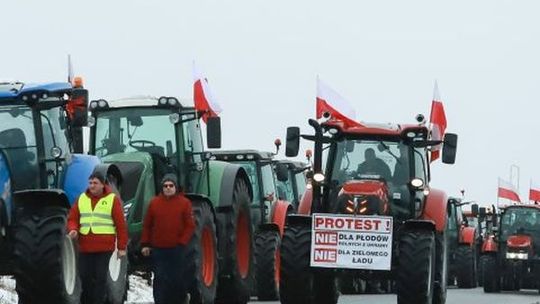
(243, 250)
(277, 267)
(69, 265)
(208, 253)
(115, 265)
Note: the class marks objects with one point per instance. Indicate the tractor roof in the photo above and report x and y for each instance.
(294, 164)
(241, 155)
(531, 206)
(376, 129)
(141, 101)
(14, 90)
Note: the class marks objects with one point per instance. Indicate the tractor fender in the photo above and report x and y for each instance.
(78, 170)
(435, 209)
(419, 224)
(111, 172)
(299, 220)
(304, 207)
(489, 245)
(467, 235)
(41, 198)
(230, 173)
(279, 214)
(268, 227)
(206, 199)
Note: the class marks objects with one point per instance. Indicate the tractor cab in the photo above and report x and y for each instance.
(519, 234)
(258, 165)
(146, 138)
(293, 187)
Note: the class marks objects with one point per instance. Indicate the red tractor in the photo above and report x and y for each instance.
(463, 241)
(511, 256)
(370, 213)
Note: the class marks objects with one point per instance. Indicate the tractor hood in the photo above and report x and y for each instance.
(519, 242)
(366, 187)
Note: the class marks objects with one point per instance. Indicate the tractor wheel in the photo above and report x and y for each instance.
(480, 272)
(202, 254)
(416, 273)
(441, 268)
(491, 273)
(296, 282)
(117, 280)
(325, 289)
(46, 259)
(235, 287)
(466, 266)
(267, 260)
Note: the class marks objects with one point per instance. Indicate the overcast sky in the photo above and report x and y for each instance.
(262, 58)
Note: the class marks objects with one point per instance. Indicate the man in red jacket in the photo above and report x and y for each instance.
(167, 229)
(97, 221)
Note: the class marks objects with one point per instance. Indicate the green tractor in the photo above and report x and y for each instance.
(292, 189)
(268, 212)
(147, 138)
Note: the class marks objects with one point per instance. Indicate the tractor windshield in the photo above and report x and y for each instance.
(251, 170)
(18, 143)
(520, 221)
(371, 159)
(128, 130)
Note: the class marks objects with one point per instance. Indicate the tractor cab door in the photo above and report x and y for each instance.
(55, 146)
(192, 161)
(452, 227)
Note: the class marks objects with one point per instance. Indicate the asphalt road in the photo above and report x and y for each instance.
(455, 296)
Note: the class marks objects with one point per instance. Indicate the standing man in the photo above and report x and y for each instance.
(167, 229)
(97, 220)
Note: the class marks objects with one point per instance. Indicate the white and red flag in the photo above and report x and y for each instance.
(330, 102)
(507, 191)
(202, 96)
(534, 192)
(437, 119)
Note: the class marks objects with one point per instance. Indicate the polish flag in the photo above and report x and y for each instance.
(438, 122)
(330, 102)
(508, 191)
(202, 96)
(534, 192)
(70, 70)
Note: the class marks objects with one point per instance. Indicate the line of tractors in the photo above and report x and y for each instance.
(254, 214)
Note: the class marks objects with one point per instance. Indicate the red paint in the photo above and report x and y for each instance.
(280, 214)
(489, 245)
(519, 241)
(243, 249)
(366, 187)
(304, 207)
(467, 235)
(435, 209)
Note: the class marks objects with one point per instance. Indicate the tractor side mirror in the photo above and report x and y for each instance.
(77, 108)
(213, 132)
(449, 148)
(474, 210)
(494, 219)
(293, 141)
(282, 172)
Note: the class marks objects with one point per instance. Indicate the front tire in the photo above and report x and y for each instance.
(415, 277)
(267, 261)
(441, 268)
(202, 256)
(46, 259)
(466, 266)
(492, 281)
(296, 282)
(235, 287)
(117, 279)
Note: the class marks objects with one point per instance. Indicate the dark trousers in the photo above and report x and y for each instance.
(170, 286)
(94, 269)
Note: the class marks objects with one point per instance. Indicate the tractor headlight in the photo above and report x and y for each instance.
(417, 183)
(517, 255)
(318, 177)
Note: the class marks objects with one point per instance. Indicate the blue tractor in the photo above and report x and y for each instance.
(40, 177)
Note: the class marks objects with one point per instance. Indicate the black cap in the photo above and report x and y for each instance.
(97, 175)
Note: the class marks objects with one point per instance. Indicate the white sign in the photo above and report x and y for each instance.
(351, 242)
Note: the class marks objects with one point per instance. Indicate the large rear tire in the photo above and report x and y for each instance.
(117, 279)
(267, 261)
(466, 266)
(296, 282)
(235, 286)
(46, 259)
(492, 281)
(202, 255)
(416, 273)
(325, 289)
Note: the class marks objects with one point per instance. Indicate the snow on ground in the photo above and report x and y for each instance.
(139, 291)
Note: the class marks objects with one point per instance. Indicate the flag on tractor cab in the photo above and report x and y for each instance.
(507, 191)
(330, 103)
(202, 96)
(534, 192)
(437, 119)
